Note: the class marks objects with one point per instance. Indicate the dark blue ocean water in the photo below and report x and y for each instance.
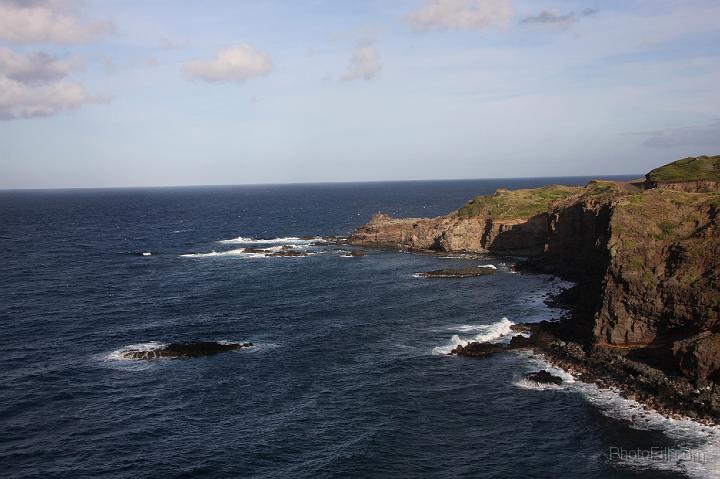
(345, 379)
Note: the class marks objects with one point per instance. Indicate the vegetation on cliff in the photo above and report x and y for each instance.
(506, 204)
(701, 168)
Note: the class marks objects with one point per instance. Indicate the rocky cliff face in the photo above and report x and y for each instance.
(686, 186)
(647, 262)
(662, 280)
(455, 234)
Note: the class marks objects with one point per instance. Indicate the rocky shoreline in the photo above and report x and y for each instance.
(671, 395)
(644, 316)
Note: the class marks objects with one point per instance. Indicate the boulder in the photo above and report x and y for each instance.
(699, 357)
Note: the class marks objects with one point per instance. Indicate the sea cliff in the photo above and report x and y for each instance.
(645, 314)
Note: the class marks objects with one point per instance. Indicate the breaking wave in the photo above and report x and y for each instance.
(495, 332)
(271, 252)
(277, 241)
(232, 252)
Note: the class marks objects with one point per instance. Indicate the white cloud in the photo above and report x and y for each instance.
(462, 14)
(232, 64)
(47, 21)
(37, 67)
(364, 63)
(31, 85)
(18, 100)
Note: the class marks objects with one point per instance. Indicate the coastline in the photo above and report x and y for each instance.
(643, 316)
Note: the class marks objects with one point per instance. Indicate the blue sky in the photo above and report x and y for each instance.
(140, 93)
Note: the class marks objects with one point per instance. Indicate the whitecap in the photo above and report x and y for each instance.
(232, 252)
(525, 383)
(491, 266)
(276, 241)
(117, 355)
(242, 252)
(494, 332)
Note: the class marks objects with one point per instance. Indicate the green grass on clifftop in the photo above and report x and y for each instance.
(688, 169)
(506, 204)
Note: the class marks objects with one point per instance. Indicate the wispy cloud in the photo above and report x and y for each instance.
(548, 18)
(462, 14)
(48, 21)
(365, 63)
(685, 136)
(232, 64)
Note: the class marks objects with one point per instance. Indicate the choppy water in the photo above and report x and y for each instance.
(347, 378)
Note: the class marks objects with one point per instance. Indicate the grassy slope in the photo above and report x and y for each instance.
(505, 204)
(688, 169)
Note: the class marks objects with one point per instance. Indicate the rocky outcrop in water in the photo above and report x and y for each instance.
(479, 350)
(184, 350)
(544, 377)
(458, 272)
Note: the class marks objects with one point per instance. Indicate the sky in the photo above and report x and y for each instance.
(159, 93)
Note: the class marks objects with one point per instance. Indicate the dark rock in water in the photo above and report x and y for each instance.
(479, 350)
(458, 273)
(185, 350)
(287, 253)
(254, 250)
(544, 377)
(284, 251)
(357, 252)
(334, 240)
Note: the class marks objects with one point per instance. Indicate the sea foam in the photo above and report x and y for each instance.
(117, 355)
(495, 332)
(232, 252)
(276, 241)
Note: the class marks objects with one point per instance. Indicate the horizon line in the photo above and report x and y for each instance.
(305, 183)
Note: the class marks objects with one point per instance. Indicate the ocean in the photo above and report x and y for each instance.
(348, 376)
